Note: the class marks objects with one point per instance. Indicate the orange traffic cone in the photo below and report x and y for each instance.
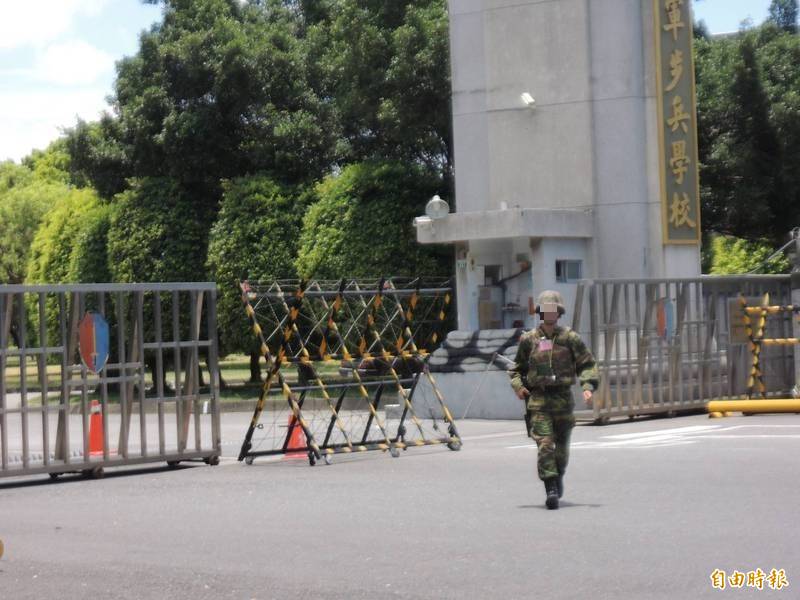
(96, 430)
(297, 440)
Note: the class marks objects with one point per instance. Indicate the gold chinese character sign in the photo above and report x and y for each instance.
(677, 122)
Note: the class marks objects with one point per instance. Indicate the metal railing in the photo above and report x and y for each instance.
(151, 401)
(665, 345)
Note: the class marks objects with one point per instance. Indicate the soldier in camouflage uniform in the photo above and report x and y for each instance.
(548, 359)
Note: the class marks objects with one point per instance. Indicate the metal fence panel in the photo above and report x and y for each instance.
(155, 400)
(664, 345)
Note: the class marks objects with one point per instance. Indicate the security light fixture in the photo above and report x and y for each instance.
(436, 208)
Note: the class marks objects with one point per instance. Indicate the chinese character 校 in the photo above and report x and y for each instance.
(679, 211)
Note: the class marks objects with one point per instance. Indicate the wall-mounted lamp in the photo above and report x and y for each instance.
(436, 208)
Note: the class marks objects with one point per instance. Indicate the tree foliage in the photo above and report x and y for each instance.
(22, 209)
(217, 90)
(51, 164)
(748, 89)
(13, 175)
(157, 233)
(362, 224)
(735, 256)
(783, 13)
(58, 254)
(386, 67)
(255, 237)
(59, 236)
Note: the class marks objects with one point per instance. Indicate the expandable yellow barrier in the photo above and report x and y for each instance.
(780, 405)
(755, 329)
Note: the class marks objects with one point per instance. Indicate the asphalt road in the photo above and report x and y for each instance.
(651, 509)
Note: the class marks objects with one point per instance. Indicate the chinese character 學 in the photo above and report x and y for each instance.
(675, 69)
(718, 579)
(673, 8)
(679, 162)
(736, 579)
(777, 579)
(679, 212)
(679, 116)
(756, 579)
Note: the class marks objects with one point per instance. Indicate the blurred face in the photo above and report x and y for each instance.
(549, 313)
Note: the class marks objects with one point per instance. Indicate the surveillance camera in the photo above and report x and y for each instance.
(527, 99)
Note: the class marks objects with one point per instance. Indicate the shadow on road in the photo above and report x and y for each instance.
(75, 477)
(561, 504)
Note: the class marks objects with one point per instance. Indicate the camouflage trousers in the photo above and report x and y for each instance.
(550, 421)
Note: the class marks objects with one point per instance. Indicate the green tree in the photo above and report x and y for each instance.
(22, 209)
(59, 235)
(54, 250)
(385, 65)
(783, 13)
(97, 156)
(749, 187)
(362, 224)
(157, 233)
(217, 90)
(13, 175)
(88, 261)
(735, 256)
(51, 164)
(255, 237)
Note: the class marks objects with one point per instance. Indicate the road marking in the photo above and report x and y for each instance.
(660, 432)
(490, 436)
(680, 436)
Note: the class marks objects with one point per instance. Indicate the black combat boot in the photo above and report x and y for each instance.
(560, 484)
(551, 487)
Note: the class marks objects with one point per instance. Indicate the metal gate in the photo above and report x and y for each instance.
(154, 400)
(664, 345)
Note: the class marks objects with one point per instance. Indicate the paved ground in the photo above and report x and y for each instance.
(652, 508)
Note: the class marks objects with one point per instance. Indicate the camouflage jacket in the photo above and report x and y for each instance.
(549, 362)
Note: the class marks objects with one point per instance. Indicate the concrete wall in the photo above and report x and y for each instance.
(590, 143)
(546, 252)
(476, 395)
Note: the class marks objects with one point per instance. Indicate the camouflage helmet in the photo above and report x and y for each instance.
(551, 297)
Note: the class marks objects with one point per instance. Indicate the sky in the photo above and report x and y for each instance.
(57, 62)
(725, 16)
(57, 59)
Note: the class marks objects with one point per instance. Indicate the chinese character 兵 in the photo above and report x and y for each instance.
(679, 115)
(679, 161)
(675, 69)
(777, 579)
(673, 8)
(756, 579)
(718, 579)
(679, 212)
(736, 579)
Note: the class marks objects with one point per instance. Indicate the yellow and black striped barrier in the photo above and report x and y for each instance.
(366, 329)
(754, 319)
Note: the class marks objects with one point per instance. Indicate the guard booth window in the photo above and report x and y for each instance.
(568, 271)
